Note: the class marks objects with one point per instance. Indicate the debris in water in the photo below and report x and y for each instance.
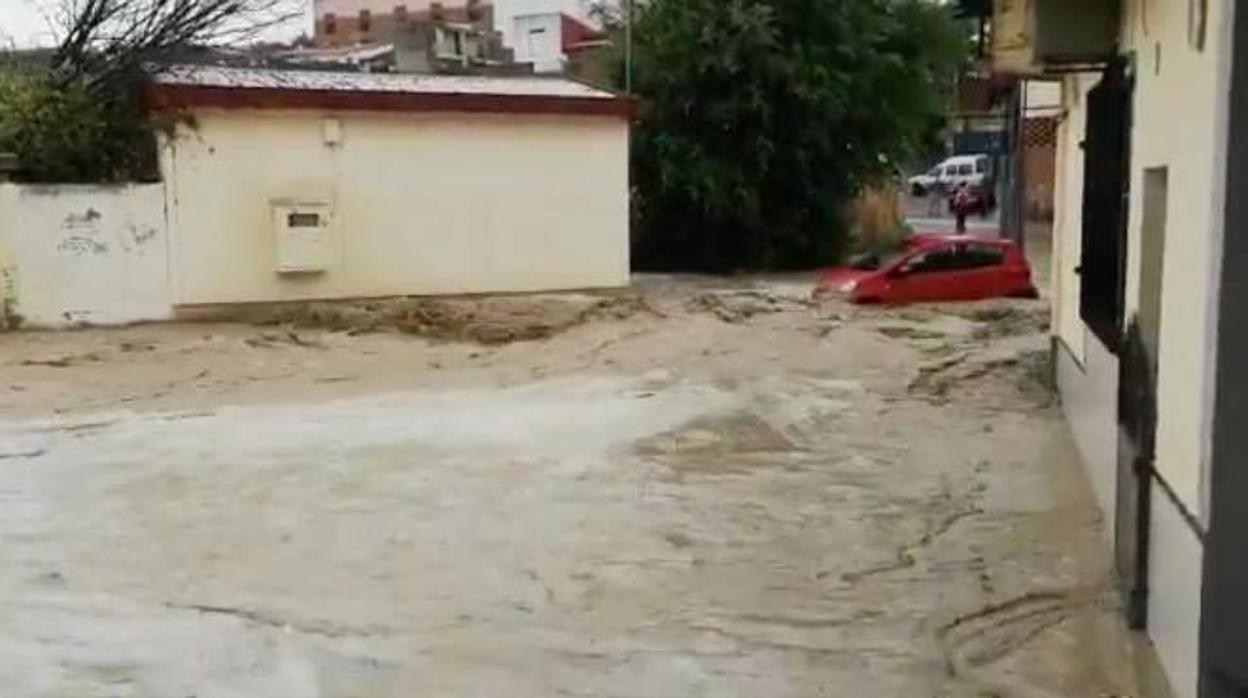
(740, 306)
(65, 360)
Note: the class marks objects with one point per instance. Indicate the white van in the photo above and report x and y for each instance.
(974, 170)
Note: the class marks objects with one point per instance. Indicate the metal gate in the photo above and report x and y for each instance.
(1137, 428)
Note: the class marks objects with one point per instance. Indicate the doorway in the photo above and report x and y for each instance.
(1137, 404)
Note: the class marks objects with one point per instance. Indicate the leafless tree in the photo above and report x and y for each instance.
(103, 42)
(609, 14)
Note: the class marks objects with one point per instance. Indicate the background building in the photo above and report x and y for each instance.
(544, 33)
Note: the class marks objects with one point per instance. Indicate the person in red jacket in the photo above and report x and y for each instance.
(961, 202)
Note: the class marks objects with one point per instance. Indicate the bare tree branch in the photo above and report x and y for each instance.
(104, 42)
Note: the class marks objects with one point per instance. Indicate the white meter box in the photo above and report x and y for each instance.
(304, 236)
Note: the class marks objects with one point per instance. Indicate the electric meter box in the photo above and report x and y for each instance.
(303, 231)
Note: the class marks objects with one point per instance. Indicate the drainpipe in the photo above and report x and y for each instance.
(1012, 208)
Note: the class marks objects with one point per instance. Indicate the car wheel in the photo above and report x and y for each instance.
(917, 190)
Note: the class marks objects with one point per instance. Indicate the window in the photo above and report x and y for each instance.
(981, 165)
(939, 259)
(330, 23)
(976, 256)
(956, 258)
(449, 43)
(965, 169)
(951, 170)
(303, 220)
(366, 21)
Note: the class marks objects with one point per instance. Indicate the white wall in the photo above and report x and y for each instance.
(1089, 390)
(1068, 214)
(424, 203)
(506, 12)
(1176, 558)
(85, 254)
(1176, 107)
(538, 39)
(1178, 100)
(1043, 97)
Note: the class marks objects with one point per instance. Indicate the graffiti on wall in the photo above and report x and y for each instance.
(84, 234)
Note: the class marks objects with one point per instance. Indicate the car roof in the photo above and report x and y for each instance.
(932, 239)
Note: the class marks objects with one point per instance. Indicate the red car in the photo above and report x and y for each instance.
(934, 267)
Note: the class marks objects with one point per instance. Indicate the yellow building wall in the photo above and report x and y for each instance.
(422, 203)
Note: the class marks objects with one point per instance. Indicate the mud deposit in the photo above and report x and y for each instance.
(695, 489)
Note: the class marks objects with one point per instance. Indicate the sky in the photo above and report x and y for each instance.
(23, 24)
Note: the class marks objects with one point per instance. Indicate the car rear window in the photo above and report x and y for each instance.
(956, 258)
(975, 256)
(981, 166)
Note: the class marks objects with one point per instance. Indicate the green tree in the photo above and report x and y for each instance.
(62, 133)
(758, 120)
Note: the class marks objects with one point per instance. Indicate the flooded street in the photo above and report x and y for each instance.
(704, 489)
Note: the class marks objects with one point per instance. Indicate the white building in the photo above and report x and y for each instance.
(1149, 255)
(541, 32)
(287, 185)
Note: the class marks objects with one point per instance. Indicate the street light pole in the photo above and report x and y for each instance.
(628, 46)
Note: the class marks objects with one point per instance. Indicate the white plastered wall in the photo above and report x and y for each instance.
(1178, 102)
(422, 203)
(84, 254)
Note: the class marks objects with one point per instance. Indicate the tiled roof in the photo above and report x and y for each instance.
(395, 83)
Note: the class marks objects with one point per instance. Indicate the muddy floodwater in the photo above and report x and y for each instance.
(693, 489)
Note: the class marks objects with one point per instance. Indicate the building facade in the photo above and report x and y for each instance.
(313, 185)
(543, 33)
(1142, 252)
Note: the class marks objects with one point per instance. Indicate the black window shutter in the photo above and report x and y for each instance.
(1106, 181)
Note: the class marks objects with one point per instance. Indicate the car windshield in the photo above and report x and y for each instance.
(893, 258)
(871, 261)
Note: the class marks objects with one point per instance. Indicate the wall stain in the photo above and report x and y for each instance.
(82, 245)
(87, 218)
(142, 234)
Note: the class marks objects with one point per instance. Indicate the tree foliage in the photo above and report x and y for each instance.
(63, 133)
(759, 120)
